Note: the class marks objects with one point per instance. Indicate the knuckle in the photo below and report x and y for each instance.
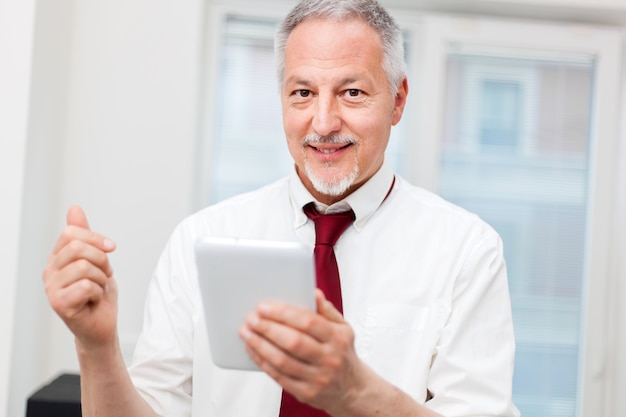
(56, 303)
(308, 394)
(281, 361)
(50, 283)
(309, 323)
(76, 246)
(101, 258)
(344, 343)
(48, 288)
(344, 337)
(83, 267)
(293, 343)
(333, 362)
(321, 381)
(68, 234)
(84, 285)
(47, 273)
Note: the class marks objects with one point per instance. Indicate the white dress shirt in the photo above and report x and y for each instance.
(424, 287)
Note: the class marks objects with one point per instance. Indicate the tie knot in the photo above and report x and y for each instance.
(328, 227)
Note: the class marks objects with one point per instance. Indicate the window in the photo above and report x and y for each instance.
(526, 139)
(509, 119)
(249, 126)
(500, 112)
(527, 176)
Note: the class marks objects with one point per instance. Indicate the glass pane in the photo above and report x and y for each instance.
(515, 151)
(248, 148)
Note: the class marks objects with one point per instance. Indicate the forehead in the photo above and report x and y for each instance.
(328, 42)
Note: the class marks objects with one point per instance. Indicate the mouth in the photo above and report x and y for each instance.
(330, 149)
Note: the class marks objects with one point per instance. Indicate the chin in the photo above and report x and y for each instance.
(331, 185)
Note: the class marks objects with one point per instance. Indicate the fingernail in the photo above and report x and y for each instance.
(108, 244)
(265, 308)
(253, 320)
(245, 333)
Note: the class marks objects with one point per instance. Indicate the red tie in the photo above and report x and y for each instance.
(328, 228)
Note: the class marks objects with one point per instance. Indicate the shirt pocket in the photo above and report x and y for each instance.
(399, 342)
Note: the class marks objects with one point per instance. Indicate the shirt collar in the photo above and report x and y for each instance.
(364, 201)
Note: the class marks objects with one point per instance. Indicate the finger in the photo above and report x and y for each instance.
(289, 340)
(326, 308)
(76, 217)
(75, 272)
(293, 384)
(298, 318)
(272, 358)
(302, 380)
(78, 229)
(72, 300)
(81, 252)
(280, 377)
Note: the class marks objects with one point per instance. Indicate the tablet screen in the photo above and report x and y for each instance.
(235, 275)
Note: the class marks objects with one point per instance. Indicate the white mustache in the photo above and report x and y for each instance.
(329, 140)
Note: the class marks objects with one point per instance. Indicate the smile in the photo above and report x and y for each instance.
(330, 150)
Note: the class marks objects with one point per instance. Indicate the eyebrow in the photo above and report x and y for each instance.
(305, 83)
(294, 80)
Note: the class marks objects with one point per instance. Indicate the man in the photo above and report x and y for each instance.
(426, 326)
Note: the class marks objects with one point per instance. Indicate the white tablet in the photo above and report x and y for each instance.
(235, 275)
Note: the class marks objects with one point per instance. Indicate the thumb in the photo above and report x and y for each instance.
(76, 217)
(326, 308)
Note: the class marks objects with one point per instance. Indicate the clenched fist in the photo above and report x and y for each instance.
(79, 282)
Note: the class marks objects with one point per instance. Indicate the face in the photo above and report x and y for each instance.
(338, 109)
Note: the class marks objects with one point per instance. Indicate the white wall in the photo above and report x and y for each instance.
(112, 126)
(16, 27)
(44, 152)
(616, 400)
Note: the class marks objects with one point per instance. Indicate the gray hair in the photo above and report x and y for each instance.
(370, 11)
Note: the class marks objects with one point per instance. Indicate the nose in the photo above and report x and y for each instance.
(327, 118)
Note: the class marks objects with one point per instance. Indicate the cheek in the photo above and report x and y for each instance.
(374, 129)
(294, 146)
(296, 127)
(374, 140)
(294, 120)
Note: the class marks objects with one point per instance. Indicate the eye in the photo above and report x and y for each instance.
(302, 93)
(353, 92)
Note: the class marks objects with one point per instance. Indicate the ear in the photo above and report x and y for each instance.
(400, 101)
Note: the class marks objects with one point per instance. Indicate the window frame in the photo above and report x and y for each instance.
(431, 36)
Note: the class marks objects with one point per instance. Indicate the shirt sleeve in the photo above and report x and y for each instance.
(472, 371)
(162, 363)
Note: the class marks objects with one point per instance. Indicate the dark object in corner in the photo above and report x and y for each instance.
(60, 398)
